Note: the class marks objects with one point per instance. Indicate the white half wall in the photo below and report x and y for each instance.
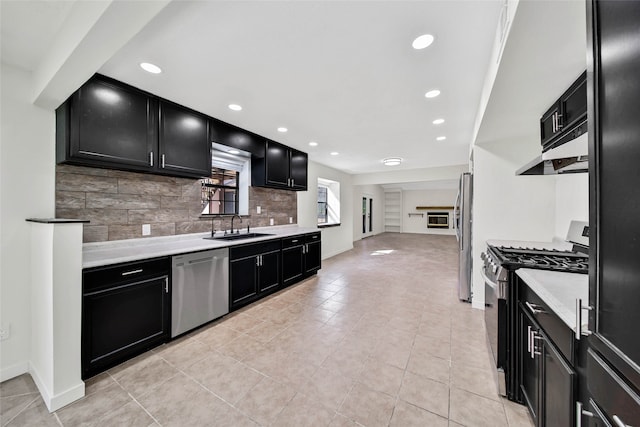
(572, 201)
(418, 224)
(27, 189)
(335, 239)
(376, 192)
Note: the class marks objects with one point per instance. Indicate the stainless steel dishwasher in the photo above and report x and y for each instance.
(200, 289)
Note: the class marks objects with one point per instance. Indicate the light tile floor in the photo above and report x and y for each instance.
(377, 338)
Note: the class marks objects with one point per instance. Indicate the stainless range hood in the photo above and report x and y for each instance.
(570, 157)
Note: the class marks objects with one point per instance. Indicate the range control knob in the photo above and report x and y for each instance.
(483, 256)
(495, 269)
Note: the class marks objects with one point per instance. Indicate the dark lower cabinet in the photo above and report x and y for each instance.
(530, 365)
(254, 272)
(125, 311)
(293, 260)
(312, 254)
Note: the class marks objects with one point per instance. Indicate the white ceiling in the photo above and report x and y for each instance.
(341, 73)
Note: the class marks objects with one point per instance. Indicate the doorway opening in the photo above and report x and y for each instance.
(367, 216)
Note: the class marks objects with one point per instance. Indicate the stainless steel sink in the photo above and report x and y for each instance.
(239, 236)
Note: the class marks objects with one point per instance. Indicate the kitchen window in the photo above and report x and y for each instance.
(226, 191)
(328, 203)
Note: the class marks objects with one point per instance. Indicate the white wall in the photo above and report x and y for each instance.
(506, 206)
(376, 192)
(417, 224)
(334, 239)
(572, 201)
(411, 175)
(27, 177)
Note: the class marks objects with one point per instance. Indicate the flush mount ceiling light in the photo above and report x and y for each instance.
(392, 161)
(423, 41)
(235, 107)
(150, 68)
(432, 93)
(283, 130)
(313, 144)
(441, 138)
(334, 153)
(438, 121)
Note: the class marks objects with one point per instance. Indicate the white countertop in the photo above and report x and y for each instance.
(106, 253)
(559, 291)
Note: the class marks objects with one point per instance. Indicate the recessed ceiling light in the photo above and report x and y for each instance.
(432, 93)
(233, 152)
(313, 144)
(235, 107)
(392, 161)
(423, 41)
(441, 138)
(150, 68)
(438, 121)
(334, 153)
(282, 130)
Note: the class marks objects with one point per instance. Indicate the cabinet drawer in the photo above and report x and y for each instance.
(243, 251)
(290, 242)
(611, 393)
(99, 278)
(314, 237)
(561, 335)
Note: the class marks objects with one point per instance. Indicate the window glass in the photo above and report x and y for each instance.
(328, 202)
(220, 192)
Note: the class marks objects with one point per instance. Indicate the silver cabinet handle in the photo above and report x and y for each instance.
(529, 339)
(553, 123)
(535, 309)
(579, 308)
(294, 241)
(163, 161)
(166, 285)
(580, 412)
(558, 124)
(619, 422)
(258, 261)
(151, 158)
(127, 273)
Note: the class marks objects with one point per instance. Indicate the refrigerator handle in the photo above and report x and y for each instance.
(456, 215)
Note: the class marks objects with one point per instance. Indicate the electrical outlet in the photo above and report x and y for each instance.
(258, 210)
(270, 221)
(5, 331)
(146, 229)
(290, 220)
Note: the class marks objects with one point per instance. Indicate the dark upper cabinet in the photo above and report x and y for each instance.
(614, 148)
(105, 123)
(281, 167)
(109, 124)
(559, 123)
(232, 136)
(184, 145)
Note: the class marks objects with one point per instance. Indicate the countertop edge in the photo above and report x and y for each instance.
(57, 221)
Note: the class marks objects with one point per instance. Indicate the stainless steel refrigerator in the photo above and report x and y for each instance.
(462, 225)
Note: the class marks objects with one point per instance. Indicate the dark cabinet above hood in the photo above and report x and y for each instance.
(570, 157)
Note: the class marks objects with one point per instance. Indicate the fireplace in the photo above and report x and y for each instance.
(438, 220)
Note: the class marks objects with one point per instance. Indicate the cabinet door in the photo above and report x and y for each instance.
(573, 103)
(184, 141)
(298, 170)
(277, 165)
(120, 322)
(548, 125)
(313, 257)
(269, 271)
(530, 364)
(112, 125)
(615, 195)
(292, 264)
(243, 280)
(558, 389)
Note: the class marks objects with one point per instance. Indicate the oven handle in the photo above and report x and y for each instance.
(500, 287)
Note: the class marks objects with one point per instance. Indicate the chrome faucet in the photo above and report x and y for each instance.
(232, 218)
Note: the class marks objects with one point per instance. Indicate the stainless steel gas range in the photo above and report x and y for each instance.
(501, 260)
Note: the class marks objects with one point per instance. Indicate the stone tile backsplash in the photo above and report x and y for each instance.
(117, 203)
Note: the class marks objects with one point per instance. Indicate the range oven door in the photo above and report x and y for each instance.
(495, 318)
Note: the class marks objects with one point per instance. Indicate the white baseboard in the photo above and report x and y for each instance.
(337, 252)
(13, 371)
(55, 402)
